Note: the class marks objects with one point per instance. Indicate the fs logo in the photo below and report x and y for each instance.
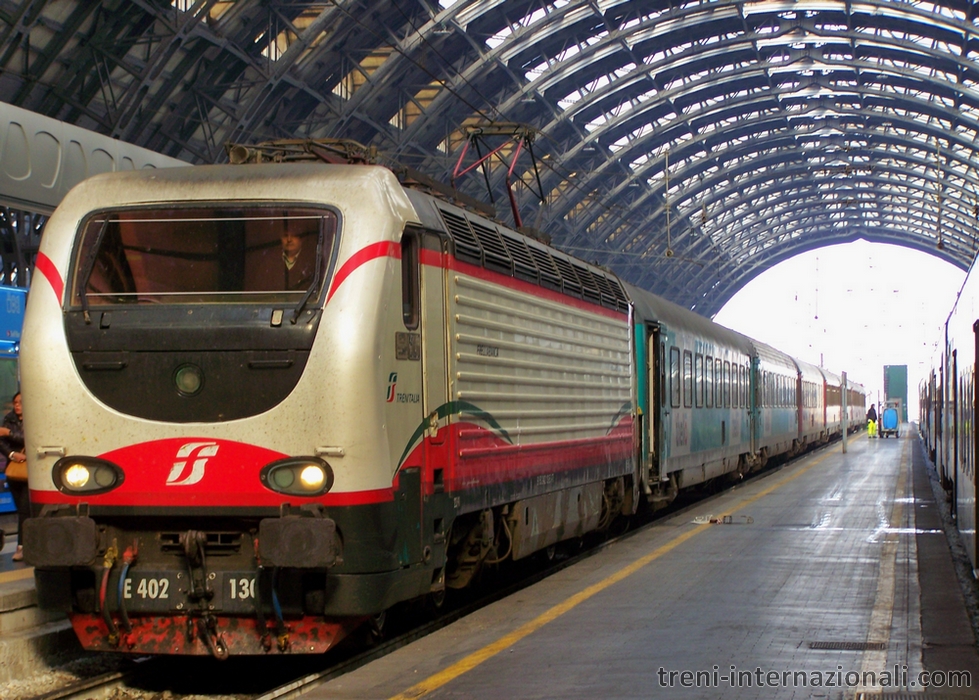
(203, 450)
(392, 382)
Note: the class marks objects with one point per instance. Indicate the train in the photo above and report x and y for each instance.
(227, 458)
(946, 404)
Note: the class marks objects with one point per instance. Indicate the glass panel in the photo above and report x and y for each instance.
(698, 373)
(687, 378)
(675, 377)
(718, 383)
(709, 384)
(195, 255)
(727, 384)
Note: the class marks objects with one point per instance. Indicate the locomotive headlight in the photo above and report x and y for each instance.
(312, 477)
(298, 476)
(76, 476)
(86, 475)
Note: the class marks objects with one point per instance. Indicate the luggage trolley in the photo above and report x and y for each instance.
(890, 418)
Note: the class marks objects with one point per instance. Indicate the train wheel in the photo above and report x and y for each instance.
(376, 625)
(436, 599)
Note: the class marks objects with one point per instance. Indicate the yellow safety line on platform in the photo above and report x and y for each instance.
(17, 575)
(879, 629)
(436, 681)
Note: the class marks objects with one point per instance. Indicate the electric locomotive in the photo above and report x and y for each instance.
(235, 455)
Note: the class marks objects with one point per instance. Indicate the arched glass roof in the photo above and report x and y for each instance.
(686, 145)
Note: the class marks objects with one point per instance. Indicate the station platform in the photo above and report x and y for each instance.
(829, 578)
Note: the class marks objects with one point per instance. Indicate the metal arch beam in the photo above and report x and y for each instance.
(613, 87)
(727, 287)
(721, 12)
(923, 224)
(952, 241)
(802, 177)
(788, 183)
(754, 148)
(917, 218)
(787, 178)
(239, 101)
(723, 286)
(654, 140)
(382, 81)
(263, 95)
(691, 174)
(881, 183)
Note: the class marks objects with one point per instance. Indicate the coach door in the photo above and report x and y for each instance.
(657, 412)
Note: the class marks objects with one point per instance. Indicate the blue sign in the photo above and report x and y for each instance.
(12, 303)
(6, 499)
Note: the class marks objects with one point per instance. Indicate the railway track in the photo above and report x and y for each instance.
(285, 678)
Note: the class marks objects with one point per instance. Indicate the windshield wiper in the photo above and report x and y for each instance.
(316, 278)
(86, 270)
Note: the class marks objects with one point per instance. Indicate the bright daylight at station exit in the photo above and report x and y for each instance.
(855, 306)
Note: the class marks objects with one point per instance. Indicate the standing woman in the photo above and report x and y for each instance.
(12, 447)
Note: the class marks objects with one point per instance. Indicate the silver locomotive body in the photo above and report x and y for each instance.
(235, 455)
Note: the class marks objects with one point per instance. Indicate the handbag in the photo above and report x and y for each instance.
(16, 471)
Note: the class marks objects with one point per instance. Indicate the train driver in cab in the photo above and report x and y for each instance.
(291, 265)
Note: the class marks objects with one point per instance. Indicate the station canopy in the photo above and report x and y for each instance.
(687, 146)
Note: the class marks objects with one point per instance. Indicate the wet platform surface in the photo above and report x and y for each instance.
(833, 579)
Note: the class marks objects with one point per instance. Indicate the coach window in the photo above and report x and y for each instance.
(718, 382)
(727, 384)
(738, 393)
(675, 377)
(410, 273)
(698, 373)
(709, 381)
(736, 378)
(687, 379)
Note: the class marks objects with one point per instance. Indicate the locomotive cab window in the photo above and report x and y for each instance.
(206, 254)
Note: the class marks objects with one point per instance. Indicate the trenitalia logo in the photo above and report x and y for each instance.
(200, 450)
(392, 383)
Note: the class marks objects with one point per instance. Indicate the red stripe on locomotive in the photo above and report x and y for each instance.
(50, 272)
